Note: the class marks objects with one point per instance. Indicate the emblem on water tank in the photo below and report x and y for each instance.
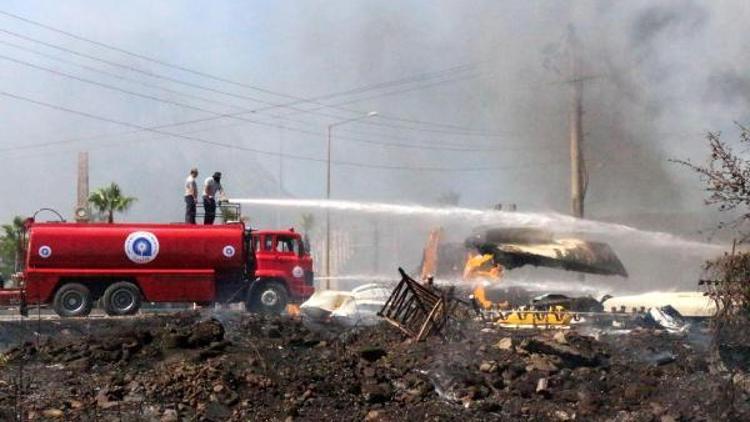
(228, 251)
(141, 247)
(45, 251)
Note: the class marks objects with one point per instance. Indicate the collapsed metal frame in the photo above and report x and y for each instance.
(416, 309)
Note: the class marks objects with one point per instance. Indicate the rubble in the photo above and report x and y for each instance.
(230, 366)
(506, 343)
(668, 318)
(687, 303)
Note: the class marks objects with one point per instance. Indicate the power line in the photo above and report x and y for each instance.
(401, 92)
(224, 115)
(358, 90)
(203, 87)
(405, 90)
(453, 80)
(171, 125)
(113, 75)
(210, 76)
(388, 84)
(134, 69)
(271, 153)
(436, 146)
(133, 132)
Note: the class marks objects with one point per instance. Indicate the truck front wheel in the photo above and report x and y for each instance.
(121, 298)
(268, 298)
(73, 300)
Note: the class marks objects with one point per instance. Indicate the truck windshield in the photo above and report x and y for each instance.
(267, 243)
(286, 244)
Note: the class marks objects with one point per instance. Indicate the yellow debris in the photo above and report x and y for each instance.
(556, 317)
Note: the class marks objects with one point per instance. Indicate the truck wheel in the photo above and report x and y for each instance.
(268, 298)
(73, 300)
(122, 298)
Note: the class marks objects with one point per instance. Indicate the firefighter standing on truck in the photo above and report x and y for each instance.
(211, 187)
(191, 196)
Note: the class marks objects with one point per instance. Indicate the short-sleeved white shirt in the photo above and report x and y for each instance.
(191, 188)
(210, 187)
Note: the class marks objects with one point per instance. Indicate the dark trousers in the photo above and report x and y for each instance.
(209, 207)
(189, 209)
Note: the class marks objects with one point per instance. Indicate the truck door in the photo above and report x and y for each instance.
(288, 250)
(265, 254)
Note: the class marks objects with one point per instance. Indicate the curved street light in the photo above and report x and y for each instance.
(328, 190)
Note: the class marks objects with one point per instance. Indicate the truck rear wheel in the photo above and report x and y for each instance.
(269, 297)
(73, 300)
(121, 298)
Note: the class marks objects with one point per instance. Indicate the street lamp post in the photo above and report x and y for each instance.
(328, 190)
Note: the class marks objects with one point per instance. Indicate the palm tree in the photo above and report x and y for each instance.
(109, 199)
(10, 245)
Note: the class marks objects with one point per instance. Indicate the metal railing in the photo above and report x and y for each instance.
(226, 211)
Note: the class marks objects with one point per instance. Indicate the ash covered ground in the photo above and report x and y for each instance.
(236, 366)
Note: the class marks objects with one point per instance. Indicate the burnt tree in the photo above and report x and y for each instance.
(727, 179)
(727, 278)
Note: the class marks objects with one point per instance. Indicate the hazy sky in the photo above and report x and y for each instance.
(463, 85)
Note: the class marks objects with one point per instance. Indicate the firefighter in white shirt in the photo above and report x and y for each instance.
(191, 196)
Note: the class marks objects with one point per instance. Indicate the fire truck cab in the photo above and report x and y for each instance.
(281, 258)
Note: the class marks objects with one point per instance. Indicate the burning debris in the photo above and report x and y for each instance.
(516, 247)
(489, 252)
(422, 309)
(509, 248)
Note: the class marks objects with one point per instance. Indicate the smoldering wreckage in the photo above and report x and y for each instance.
(472, 274)
(419, 348)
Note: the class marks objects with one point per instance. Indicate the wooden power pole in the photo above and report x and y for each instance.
(577, 165)
(577, 171)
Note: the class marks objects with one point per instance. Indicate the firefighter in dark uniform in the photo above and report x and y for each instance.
(211, 188)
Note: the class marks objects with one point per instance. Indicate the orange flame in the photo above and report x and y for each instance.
(292, 310)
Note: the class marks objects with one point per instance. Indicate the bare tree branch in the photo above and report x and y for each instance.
(727, 178)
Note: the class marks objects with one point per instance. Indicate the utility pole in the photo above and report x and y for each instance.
(577, 171)
(328, 211)
(281, 177)
(82, 214)
(376, 247)
(577, 166)
(328, 189)
(578, 176)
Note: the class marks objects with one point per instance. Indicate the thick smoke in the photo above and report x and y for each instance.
(655, 78)
(641, 98)
(624, 62)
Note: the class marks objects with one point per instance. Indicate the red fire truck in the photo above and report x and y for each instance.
(72, 266)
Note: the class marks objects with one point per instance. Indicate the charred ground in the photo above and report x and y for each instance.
(232, 366)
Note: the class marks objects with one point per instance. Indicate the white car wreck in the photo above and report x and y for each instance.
(356, 307)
